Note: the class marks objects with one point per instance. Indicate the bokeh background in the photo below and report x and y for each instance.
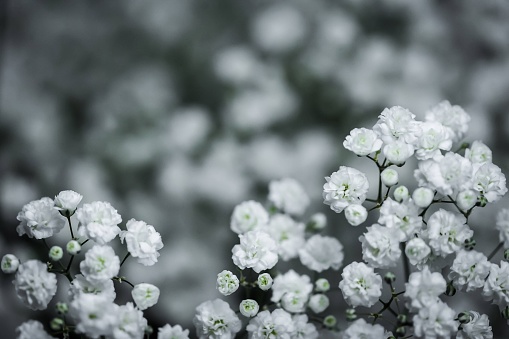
(177, 110)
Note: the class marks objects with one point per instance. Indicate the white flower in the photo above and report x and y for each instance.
(322, 285)
(257, 250)
(293, 289)
(489, 180)
(98, 221)
(344, 187)
(502, 225)
(398, 152)
(423, 196)
(80, 285)
(321, 253)
(402, 216)
(32, 329)
(264, 281)
(73, 247)
(477, 328)
(94, 315)
(67, 202)
(10, 263)
(175, 332)
(466, 199)
(215, 319)
(145, 295)
(360, 285)
(434, 138)
(447, 232)
(389, 177)
(288, 234)
(303, 328)
(289, 196)
(401, 193)
(362, 141)
(143, 241)
(100, 264)
(356, 214)
(39, 219)
(497, 285)
(453, 117)
(361, 329)
(276, 325)
(249, 307)
(318, 221)
(227, 282)
(423, 288)
(130, 323)
(380, 246)
(469, 268)
(479, 153)
(435, 321)
(34, 285)
(417, 251)
(248, 216)
(318, 302)
(397, 124)
(56, 253)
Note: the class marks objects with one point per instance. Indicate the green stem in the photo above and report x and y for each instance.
(492, 254)
(125, 258)
(406, 264)
(70, 226)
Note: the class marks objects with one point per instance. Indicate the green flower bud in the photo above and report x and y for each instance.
(389, 277)
(56, 324)
(450, 290)
(330, 321)
(350, 314)
(56, 253)
(62, 308)
(464, 317)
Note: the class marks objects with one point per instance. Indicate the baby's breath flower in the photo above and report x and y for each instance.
(10, 263)
(227, 282)
(423, 196)
(345, 187)
(389, 177)
(264, 281)
(34, 285)
(56, 253)
(143, 241)
(401, 193)
(356, 214)
(362, 141)
(39, 219)
(145, 295)
(73, 247)
(98, 221)
(67, 202)
(318, 303)
(172, 332)
(249, 307)
(360, 285)
(100, 264)
(322, 285)
(288, 196)
(248, 216)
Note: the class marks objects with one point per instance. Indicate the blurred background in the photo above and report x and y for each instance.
(177, 110)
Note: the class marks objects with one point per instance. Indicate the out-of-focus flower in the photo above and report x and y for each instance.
(321, 253)
(248, 216)
(289, 196)
(39, 219)
(32, 329)
(172, 332)
(34, 285)
(215, 318)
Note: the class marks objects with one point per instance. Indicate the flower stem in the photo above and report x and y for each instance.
(492, 254)
(70, 226)
(125, 258)
(406, 264)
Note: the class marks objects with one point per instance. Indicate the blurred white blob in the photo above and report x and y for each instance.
(186, 129)
(14, 193)
(237, 65)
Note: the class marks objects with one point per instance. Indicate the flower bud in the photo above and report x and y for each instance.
(464, 317)
(66, 202)
(330, 321)
(73, 247)
(317, 222)
(466, 199)
(264, 281)
(356, 214)
(469, 244)
(318, 303)
(10, 263)
(56, 253)
(145, 295)
(400, 331)
(350, 314)
(322, 285)
(482, 201)
(423, 197)
(389, 277)
(227, 282)
(56, 324)
(249, 307)
(389, 177)
(401, 193)
(450, 290)
(62, 308)
(402, 319)
(506, 254)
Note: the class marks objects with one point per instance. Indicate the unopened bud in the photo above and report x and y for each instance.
(423, 197)
(322, 285)
(62, 308)
(402, 319)
(317, 222)
(350, 314)
(56, 253)
(389, 277)
(10, 263)
(400, 331)
(469, 244)
(73, 247)
(464, 317)
(56, 324)
(389, 177)
(401, 193)
(330, 321)
(450, 290)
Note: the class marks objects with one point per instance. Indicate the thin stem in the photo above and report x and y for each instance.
(125, 258)
(70, 226)
(121, 280)
(83, 243)
(492, 254)
(406, 264)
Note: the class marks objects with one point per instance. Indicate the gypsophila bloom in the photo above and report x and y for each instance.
(435, 321)
(402, 216)
(423, 196)
(80, 285)
(130, 323)
(318, 221)
(145, 295)
(288, 234)
(10, 263)
(423, 288)
(98, 221)
(469, 268)
(452, 117)
(322, 285)
(67, 202)
(94, 315)
(417, 251)
(215, 319)
(56, 253)
(288, 196)
(434, 138)
(175, 332)
(479, 153)
(34, 285)
(32, 329)
(361, 329)
(345, 187)
(466, 199)
(248, 216)
(73, 247)
(360, 285)
(275, 325)
(477, 328)
(143, 241)
(293, 290)
(389, 177)
(257, 250)
(264, 281)
(502, 225)
(321, 253)
(401, 193)
(100, 264)
(447, 232)
(362, 141)
(318, 303)
(496, 286)
(380, 246)
(39, 219)
(356, 214)
(398, 152)
(249, 307)
(489, 180)
(227, 282)
(303, 328)
(397, 124)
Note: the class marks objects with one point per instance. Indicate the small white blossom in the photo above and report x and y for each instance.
(34, 285)
(434, 138)
(73, 247)
(318, 303)
(249, 307)
(257, 250)
(288, 234)
(39, 219)
(362, 141)
(361, 329)
(293, 290)
(477, 328)
(380, 246)
(453, 117)
(318, 221)
(402, 216)
(466, 199)
(322, 285)
(145, 295)
(435, 321)
(389, 177)
(303, 329)
(56, 253)
(277, 324)
(489, 181)
(175, 332)
(360, 285)
(417, 251)
(143, 241)
(479, 153)
(497, 285)
(447, 232)
(321, 253)
(345, 187)
(67, 202)
(215, 319)
(401, 193)
(100, 264)
(398, 152)
(469, 268)
(10, 263)
(130, 323)
(356, 214)
(502, 225)
(98, 221)
(397, 124)
(423, 196)
(248, 216)
(80, 285)
(32, 329)
(94, 315)
(423, 288)
(264, 281)
(227, 282)
(289, 196)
